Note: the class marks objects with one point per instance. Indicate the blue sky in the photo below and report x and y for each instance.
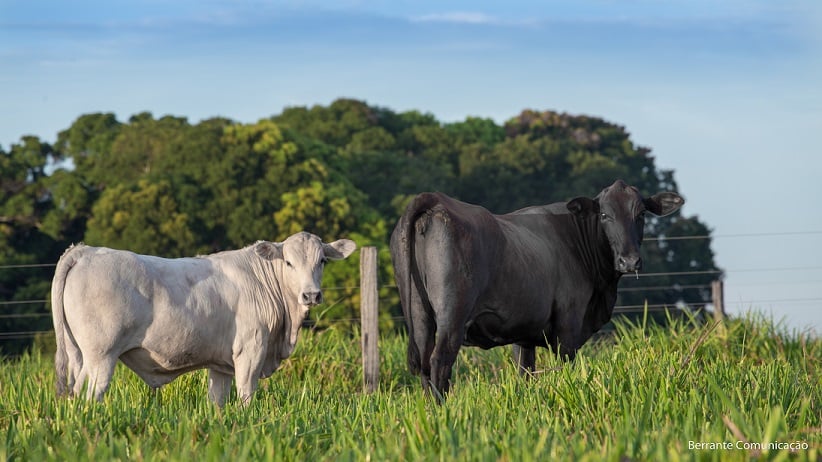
(728, 94)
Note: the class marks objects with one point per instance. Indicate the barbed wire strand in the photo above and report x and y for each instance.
(723, 236)
(617, 309)
(658, 238)
(22, 302)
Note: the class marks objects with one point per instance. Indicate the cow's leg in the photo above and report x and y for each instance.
(450, 332)
(526, 357)
(219, 386)
(97, 371)
(565, 347)
(449, 291)
(75, 365)
(248, 365)
(421, 343)
(445, 353)
(154, 395)
(425, 342)
(79, 381)
(247, 378)
(67, 362)
(568, 354)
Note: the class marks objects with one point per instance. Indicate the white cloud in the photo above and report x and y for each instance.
(460, 17)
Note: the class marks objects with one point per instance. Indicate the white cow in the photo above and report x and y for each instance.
(235, 313)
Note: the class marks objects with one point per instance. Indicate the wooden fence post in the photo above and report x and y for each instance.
(368, 312)
(718, 297)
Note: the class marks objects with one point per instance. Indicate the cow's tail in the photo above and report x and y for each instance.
(61, 330)
(405, 242)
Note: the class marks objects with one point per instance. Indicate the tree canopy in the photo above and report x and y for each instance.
(166, 187)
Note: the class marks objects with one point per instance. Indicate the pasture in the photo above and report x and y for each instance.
(742, 389)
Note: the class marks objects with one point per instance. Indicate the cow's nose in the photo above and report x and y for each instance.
(629, 264)
(311, 298)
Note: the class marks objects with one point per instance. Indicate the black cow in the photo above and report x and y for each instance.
(540, 276)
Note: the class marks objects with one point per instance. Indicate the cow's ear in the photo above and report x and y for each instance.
(583, 206)
(340, 249)
(663, 203)
(269, 250)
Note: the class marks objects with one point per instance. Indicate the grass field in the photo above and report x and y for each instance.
(738, 390)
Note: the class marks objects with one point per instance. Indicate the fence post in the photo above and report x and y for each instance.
(718, 297)
(368, 313)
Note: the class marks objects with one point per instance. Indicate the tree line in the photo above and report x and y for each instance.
(164, 186)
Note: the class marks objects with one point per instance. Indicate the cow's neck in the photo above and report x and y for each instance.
(292, 313)
(279, 314)
(595, 252)
(271, 297)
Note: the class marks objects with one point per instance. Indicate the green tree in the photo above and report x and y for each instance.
(386, 155)
(167, 187)
(476, 130)
(88, 143)
(21, 184)
(69, 206)
(257, 168)
(144, 218)
(24, 203)
(334, 125)
(140, 146)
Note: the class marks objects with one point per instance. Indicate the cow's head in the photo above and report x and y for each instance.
(303, 256)
(621, 210)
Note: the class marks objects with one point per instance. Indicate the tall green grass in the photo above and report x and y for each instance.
(645, 393)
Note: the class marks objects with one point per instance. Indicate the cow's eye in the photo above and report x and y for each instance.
(288, 264)
(603, 216)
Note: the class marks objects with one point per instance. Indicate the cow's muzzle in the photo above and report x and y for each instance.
(628, 264)
(311, 298)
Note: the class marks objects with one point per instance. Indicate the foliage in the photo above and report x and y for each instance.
(168, 187)
(643, 394)
(144, 218)
(28, 236)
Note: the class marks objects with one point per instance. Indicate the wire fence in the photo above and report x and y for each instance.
(619, 309)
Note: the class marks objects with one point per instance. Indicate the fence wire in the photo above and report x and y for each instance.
(617, 309)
